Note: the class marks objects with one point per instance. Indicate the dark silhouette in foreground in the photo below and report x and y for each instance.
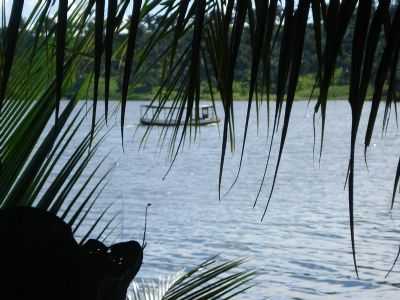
(40, 259)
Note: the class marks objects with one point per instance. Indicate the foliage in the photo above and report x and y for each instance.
(44, 162)
(199, 39)
(41, 160)
(209, 280)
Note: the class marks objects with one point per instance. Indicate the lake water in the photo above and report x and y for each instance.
(302, 248)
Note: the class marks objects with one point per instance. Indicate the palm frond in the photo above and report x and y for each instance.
(198, 37)
(31, 145)
(209, 280)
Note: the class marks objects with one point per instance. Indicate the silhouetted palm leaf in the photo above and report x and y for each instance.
(10, 45)
(209, 280)
(31, 145)
(199, 36)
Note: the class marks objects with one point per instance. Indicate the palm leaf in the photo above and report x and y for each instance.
(209, 280)
(60, 51)
(202, 38)
(133, 27)
(10, 46)
(108, 44)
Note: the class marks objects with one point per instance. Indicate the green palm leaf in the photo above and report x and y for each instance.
(209, 280)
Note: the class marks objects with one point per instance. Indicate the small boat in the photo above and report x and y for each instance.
(153, 115)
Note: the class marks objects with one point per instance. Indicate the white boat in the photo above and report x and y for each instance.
(153, 115)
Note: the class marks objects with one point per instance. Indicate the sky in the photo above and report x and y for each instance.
(27, 6)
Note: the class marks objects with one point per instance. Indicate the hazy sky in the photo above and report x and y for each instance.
(27, 7)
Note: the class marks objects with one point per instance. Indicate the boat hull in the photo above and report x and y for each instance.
(201, 122)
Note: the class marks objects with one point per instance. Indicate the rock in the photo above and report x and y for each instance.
(40, 259)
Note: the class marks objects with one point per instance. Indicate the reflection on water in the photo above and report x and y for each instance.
(302, 248)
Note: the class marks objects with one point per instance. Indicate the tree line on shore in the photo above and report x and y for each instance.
(146, 84)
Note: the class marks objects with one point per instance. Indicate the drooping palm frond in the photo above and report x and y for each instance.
(156, 289)
(209, 280)
(35, 169)
(221, 35)
(200, 38)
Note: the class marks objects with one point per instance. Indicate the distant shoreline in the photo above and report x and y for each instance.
(240, 91)
(242, 99)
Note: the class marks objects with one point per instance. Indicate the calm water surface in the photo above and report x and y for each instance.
(302, 248)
